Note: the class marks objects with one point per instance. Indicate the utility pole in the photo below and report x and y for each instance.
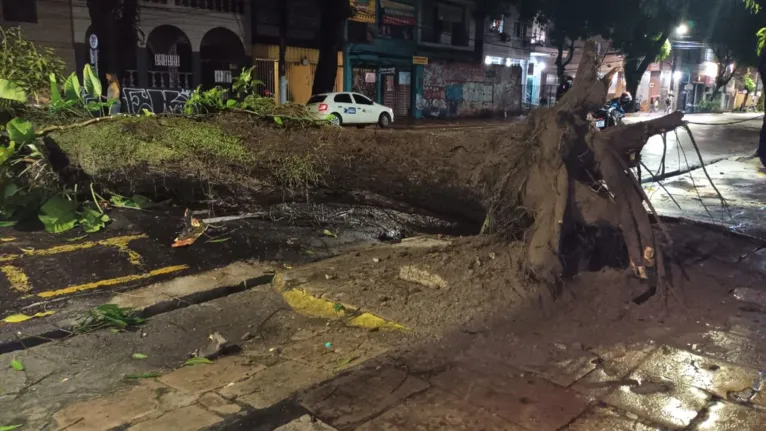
(673, 100)
(282, 52)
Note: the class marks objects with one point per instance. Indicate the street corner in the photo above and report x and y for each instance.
(46, 270)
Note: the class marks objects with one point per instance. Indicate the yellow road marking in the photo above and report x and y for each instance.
(111, 281)
(119, 242)
(16, 276)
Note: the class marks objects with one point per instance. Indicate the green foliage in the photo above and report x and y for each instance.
(107, 316)
(25, 63)
(145, 142)
(664, 51)
(74, 101)
(17, 365)
(749, 84)
(761, 40)
(244, 84)
(137, 202)
(206, 101)
(706, 106)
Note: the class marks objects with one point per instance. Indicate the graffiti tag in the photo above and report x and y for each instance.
(135, 100)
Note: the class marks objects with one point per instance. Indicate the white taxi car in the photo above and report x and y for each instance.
(350, 108)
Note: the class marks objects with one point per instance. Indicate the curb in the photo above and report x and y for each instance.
(56, 331)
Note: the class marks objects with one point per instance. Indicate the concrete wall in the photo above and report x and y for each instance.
(453, 89)
(52, 29)
(195, 23)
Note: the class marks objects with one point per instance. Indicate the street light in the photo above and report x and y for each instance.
(682, 29)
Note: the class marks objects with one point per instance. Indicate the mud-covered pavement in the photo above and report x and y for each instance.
(594, 360)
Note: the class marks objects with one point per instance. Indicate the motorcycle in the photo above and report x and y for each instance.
(611, 114)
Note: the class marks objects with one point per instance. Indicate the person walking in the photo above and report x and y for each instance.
(113, 94)
(668, 101)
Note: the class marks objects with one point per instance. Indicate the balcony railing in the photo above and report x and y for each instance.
(226, 6)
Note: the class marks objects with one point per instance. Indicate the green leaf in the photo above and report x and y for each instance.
(147, 113)
(58, 215)
(278, 120)
(17, 365)
(93, 221)
(77, 238)
(9, 427)
(20, 130)
(139, 356)
(7, 152)
(217, 240)
(91, 82)
(55, 94)
(8, 223)
(136, 202)
(10, 91)
(329, 233)
(231, 103)
(198, 361)
(72, 88)
(151, 375)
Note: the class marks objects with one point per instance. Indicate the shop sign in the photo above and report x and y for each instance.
(419, 60)
(167, 60)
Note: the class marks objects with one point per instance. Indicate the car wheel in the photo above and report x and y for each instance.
(384, 120)
(335, 120)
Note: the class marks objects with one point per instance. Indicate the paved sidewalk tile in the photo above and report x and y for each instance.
(667, 404)
(725, 416)
(363, 394)
(306, 423)
(274, 384)
(218, 404)
(608, 419)
(191, 418)
(617, 362)
(711, 375)
(202, 378)
(437, 410)
(122, 407)
(523, 398)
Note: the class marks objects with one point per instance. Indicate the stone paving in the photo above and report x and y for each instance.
(642, 386)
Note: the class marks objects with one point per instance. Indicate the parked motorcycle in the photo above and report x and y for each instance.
(612, 113)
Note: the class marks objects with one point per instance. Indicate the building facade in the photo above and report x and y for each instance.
(47, 23)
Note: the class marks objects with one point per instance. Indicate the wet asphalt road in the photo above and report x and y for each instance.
(716, 139)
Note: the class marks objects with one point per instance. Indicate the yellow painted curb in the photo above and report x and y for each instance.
(308, 305)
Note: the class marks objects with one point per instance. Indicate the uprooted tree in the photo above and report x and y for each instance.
(553, 181)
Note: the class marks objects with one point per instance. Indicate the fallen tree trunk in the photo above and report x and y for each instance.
(546, 181)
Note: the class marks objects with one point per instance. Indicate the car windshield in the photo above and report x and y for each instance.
(319, 98)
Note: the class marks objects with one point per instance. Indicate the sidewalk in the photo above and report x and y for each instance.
(597, 362)
(741, 182)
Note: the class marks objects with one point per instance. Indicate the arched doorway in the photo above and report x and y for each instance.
(221, 56)
(170, 58)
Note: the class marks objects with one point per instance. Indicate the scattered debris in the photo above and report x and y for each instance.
(9, 427)
(150, 375)
(218, 240)
(224, 219)
(214, 347)
(197, 361)
(329, 233)
(107, 316)
(137, 202)
(748, 294)
(648, 387)
(422, 277)
(246, 336)
(328, 345)
(193, 229)
(376, 259)
(18, 318)
(139, 356)
(17, 365)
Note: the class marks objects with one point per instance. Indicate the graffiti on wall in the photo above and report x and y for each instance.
(463, 89)
(135, 100)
